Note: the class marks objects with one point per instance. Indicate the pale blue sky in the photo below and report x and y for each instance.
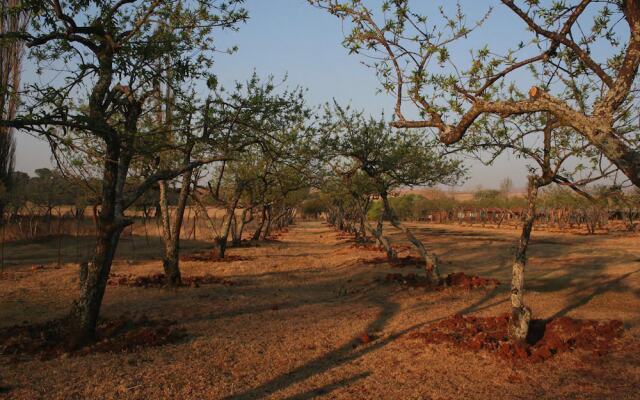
(291, 37)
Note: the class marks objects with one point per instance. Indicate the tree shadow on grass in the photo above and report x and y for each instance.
(348, 352)
(342, 355)
(326, 389)
(595, 289)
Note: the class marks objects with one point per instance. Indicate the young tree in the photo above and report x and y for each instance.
(551, 149)
(393, 160)
(267, 128)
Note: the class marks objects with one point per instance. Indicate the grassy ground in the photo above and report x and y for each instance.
(289, 329)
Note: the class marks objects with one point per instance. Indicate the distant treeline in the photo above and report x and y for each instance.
(558, 206)
(49, 189)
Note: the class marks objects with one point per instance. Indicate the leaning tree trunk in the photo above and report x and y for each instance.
(237, 241)
(226, 228)
(235, 225)
(431, 262)
(263, 219)
(267, 227)
(521, 314)
(382, 240)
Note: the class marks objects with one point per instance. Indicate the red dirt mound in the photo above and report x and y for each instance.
(460, 279)
(212, 256)
(455, 280)
(246, 243)
(159, 280)
(366, 247)
(399, 262)
(363, 338)
(409, 280)
(50, 339)
(546, 337)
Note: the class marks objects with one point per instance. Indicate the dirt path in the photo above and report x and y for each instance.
(291, 327)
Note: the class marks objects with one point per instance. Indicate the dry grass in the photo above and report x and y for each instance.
(290, 330)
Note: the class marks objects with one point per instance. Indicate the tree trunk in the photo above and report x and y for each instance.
(84, 312)
(222, 240)
(169, 257)
(234, 229)
(171, 229)
(263, 219)
(267, 228)
(382, 240)
(521, 314)
(243, 222)
(431, 262)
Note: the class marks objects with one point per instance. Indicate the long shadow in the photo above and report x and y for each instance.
(324, 390)
(347, 352)
(339, 356)
(598, 289)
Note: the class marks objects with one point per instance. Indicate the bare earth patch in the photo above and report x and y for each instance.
(212, 256)
(159, 280)
(50, 339)
(458, 280)
(546, 339)
(307, 321)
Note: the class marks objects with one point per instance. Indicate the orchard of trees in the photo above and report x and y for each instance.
(140, 128)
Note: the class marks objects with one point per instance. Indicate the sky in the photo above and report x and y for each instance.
(289, 37)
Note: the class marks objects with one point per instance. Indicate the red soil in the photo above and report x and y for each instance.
(212, 256)
(399, 262)
(460, 279)
(363, 339)
(546, 339)
(50, 339)
(159, 280)
(365, 246)
(455, 280)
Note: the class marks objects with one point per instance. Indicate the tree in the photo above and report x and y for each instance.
(548, 146)
(267, 131)
(112, 48)
(13, 18)
(594, 96)
(392, 160)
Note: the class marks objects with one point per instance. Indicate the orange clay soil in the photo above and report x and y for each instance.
(312, 319)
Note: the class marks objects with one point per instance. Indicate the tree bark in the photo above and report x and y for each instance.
(267, 228)
(263, 218)
(171, 229)
(431, 262)
(382, 240)
(243, 222)
(85, 310)
(226, 228)
(520, 313)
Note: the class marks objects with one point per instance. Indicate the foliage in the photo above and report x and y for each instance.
(584, 54)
